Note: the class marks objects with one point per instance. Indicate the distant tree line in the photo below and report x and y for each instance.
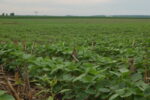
(6, 14)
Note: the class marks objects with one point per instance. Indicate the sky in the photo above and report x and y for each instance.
(76, 7)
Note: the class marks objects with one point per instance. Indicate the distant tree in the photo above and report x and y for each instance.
(12, 14)
(6, 14)
(3, 14)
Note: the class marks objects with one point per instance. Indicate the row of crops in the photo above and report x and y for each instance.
(103, 70)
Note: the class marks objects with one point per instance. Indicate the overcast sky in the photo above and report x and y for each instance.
(76, 7)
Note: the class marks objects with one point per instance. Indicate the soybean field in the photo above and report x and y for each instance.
(74, 58)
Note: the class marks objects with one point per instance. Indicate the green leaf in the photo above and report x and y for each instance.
(79, 77)
(141, 85)
(104, 90)
(67, 77)
(116, 73)
(136, 77)
(140, 98)
(50, 98)
(64, 90)
(90, 91)
(124, 70)
(120, 91)
(6, 97)
(113, 97)
(125, 92)
(147, 92)
(2, 92)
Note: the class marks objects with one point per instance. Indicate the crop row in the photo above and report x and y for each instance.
(92, 72)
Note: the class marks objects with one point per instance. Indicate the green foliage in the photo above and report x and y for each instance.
(4, 96)
(103, 46)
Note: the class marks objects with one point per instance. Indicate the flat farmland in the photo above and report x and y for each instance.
(71, 29)
(68, 58)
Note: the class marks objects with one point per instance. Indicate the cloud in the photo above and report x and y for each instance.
(81, 1)
(76, 7)
(60, 1)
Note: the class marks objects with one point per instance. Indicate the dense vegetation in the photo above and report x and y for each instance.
(79, 58)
